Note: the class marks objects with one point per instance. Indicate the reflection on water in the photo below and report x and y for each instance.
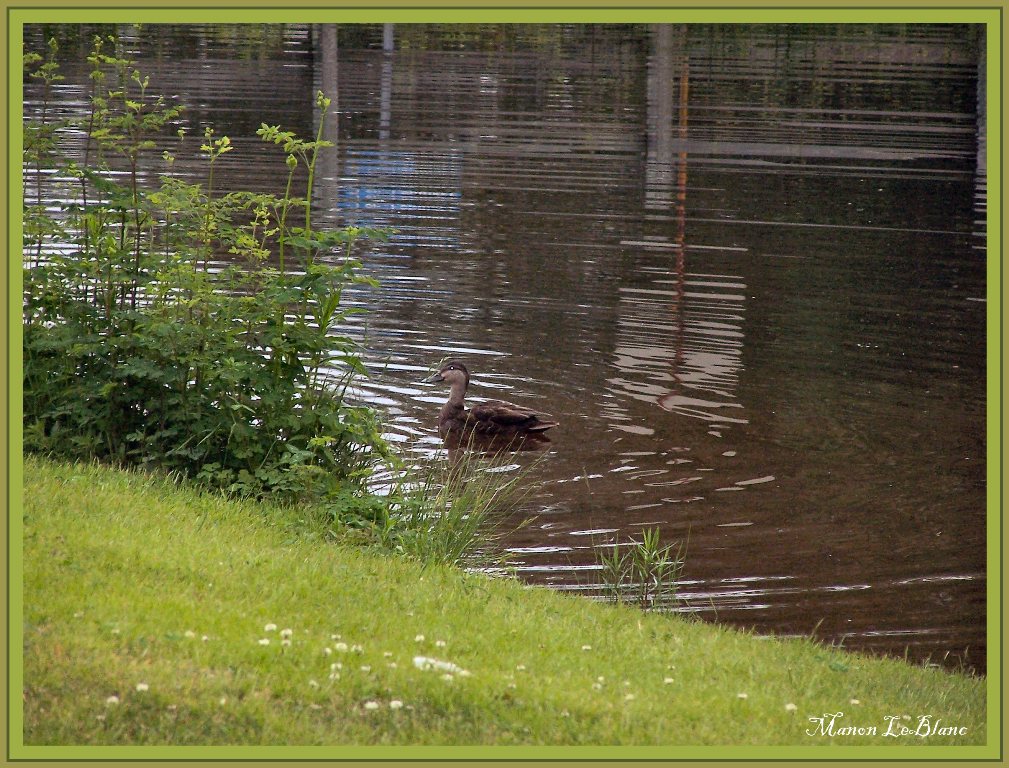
(743, 266)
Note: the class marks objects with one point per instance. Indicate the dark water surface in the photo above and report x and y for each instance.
(743, 266)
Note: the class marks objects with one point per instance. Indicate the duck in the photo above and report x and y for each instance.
(494, 423)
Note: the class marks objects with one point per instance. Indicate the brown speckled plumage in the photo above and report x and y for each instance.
(495, 420)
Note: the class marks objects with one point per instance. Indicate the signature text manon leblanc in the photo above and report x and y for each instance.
(894, 726)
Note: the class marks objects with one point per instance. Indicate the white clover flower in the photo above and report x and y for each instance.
(264, 641)
(395, 704)
(521, 668)
(313, 684)
(271, 627)
(327, 651)
(285, 642)
(425, 663)
(586, 647)
(371, 705)
(855, 701)
(286, 632)
(667, 681)
(790, 707)
(141, 687)
(190, 634)
(341, 647)
(629, 697)
(742, 696)
(439, 643)
(597, 686)
(112, 700)
(365, 668)
(356, 649)
(419, 639)
(335, 665)
(223, 700)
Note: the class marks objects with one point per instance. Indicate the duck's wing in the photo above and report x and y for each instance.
(498, 414)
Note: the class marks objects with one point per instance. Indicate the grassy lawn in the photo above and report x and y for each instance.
(155, 615)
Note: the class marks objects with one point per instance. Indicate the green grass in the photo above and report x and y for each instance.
(454, 512)
(132, 580)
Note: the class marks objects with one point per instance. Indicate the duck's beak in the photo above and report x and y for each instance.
(434, 378)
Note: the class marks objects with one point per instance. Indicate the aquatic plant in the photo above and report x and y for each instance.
(450, 512)
(643, 572)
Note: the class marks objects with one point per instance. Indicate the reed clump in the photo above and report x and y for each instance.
(642, 572)
(453, 511)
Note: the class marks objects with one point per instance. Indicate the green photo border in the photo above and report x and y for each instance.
(504, 11)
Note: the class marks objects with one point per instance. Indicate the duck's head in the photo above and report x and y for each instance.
(453, 371)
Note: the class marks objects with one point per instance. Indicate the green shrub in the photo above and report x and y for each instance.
(137, 351)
